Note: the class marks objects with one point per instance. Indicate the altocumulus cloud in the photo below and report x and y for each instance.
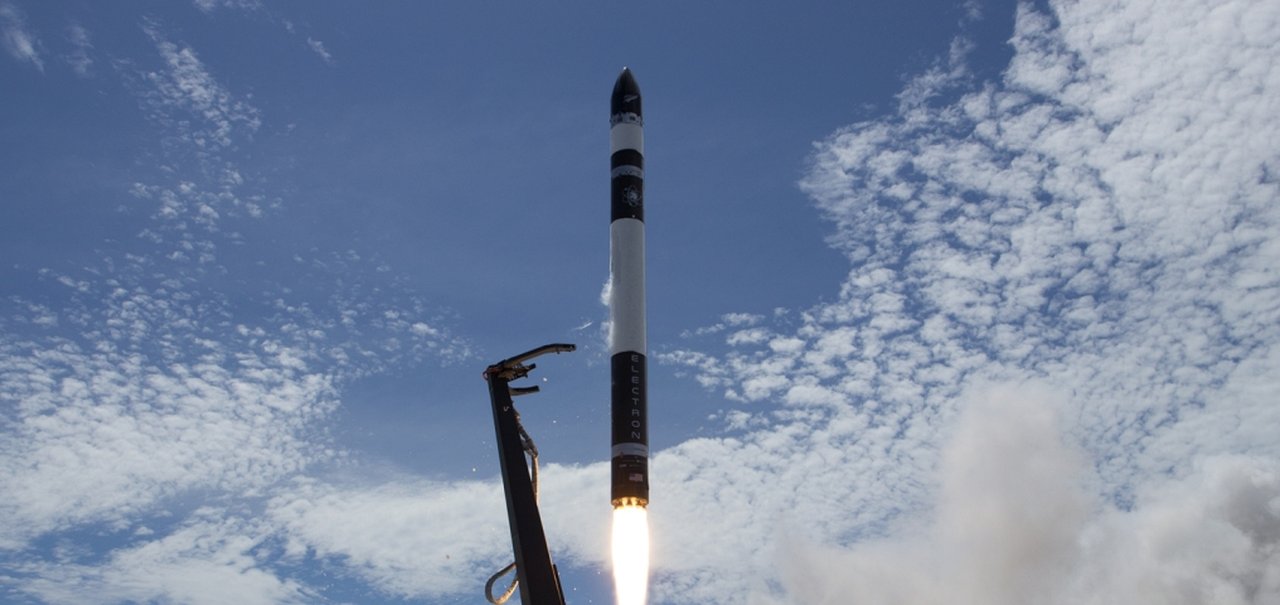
(104, 429)
(1102, 221)
(147, 418)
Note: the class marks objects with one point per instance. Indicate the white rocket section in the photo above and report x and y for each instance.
(626, 292)
(626, 135)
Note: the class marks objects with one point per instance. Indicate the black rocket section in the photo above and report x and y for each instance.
(627, 185)
(626, 95)
(629, 391)
(626, 163)
(630, 462)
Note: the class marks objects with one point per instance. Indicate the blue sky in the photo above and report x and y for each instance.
(966, 300)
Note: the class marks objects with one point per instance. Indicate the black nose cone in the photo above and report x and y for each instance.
(626, 94)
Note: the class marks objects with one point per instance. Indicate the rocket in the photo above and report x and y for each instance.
(629, 391)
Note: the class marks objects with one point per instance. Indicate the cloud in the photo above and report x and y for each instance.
(214, 558)
(134, 393)
(1041, 227)
(1008, 508)
(208, 6)
(318, 48)
(135, 389)
(103, 427)
(1015, 523)
(185, 87)
(79, 58)
(1209, 537)
(413, 538)
(727, 320)
(132, 388)
(1101, 219)
(20, 43)
(199, 187)
(407, 538)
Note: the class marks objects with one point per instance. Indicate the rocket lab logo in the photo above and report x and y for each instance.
(629, 98)
(632, 196)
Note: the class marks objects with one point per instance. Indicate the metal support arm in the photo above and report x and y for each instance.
(539, 582)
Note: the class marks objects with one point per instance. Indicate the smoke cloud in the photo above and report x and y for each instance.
(1017, 521)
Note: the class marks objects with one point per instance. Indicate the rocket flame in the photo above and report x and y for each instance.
(631, 554)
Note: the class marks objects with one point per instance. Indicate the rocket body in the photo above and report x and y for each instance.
(630, 454)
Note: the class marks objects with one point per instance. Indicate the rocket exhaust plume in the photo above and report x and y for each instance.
(630, 456)
(631, 554)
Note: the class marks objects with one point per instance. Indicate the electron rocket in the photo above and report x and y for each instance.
(630, 456)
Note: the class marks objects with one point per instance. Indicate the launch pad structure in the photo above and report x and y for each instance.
(536, 575)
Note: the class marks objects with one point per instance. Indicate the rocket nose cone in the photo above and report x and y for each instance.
(626, 94)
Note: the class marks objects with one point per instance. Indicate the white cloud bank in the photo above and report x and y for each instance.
(105, 431)
(211, 560)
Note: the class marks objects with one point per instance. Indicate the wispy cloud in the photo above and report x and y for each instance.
(79, 58)
(257, 10)
(18, 41)
(318, 48)
(203, 125)
(208, 6)
(185, 85)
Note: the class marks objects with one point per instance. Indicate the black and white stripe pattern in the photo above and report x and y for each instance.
(630, 459)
